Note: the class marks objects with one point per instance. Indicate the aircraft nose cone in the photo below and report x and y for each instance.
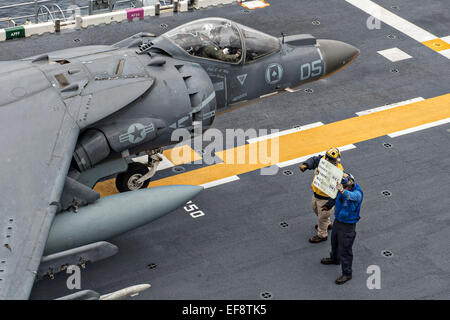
(336, 54)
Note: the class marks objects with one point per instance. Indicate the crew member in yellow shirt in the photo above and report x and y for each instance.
(322, 204)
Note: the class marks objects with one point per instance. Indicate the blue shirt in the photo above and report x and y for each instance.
(348, 205)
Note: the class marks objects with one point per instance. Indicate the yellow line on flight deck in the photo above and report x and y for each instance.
(437, 44)
(181, 155)
(317, 139)
(302, 143)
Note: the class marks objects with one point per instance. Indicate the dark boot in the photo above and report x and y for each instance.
(343, 279)
(329, 261)
(317, 239)
(330, 226)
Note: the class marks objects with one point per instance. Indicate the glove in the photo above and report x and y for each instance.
(303, 167)
(340, 187)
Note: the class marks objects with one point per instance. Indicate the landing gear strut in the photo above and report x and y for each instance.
(138, 174)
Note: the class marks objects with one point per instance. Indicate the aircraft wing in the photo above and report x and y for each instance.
(39, 128)
(37, 139)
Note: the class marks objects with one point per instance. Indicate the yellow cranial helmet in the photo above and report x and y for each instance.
(333, 154)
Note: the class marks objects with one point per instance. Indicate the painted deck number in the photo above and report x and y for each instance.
(13, 33)
(191, 207)
(309, 70)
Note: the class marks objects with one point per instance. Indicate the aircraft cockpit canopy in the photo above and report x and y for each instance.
(257, 43)
(221, 39)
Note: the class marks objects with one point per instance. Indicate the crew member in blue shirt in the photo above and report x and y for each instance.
(346, 215)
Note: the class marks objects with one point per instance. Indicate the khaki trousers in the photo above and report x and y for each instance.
(322, 215)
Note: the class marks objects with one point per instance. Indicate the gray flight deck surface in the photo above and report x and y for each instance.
(238, 250)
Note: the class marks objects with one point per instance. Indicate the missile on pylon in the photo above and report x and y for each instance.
(125, 293)
(116, 295)
(81, 295)
(111, 216)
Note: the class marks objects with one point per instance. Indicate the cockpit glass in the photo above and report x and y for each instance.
(210, 38)
(258, 44)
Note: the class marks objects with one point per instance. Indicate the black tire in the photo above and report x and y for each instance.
(135, 169)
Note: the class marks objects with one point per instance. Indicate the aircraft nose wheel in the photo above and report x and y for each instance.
(132, 182)
(127, 181)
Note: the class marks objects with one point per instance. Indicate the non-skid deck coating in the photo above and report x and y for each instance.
(238, 249)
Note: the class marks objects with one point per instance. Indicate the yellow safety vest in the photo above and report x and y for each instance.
(317, 190)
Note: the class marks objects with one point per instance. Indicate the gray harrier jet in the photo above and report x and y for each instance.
(73, 117)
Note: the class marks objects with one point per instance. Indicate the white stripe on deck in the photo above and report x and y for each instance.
(285, 132)
(304, 158)
(445, 53)
(389, 106)
(446, 39)
(419, 128)
(219, 182)
(394, 54)
(393, 20)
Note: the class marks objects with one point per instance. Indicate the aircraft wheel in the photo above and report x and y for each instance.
(126, 181)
